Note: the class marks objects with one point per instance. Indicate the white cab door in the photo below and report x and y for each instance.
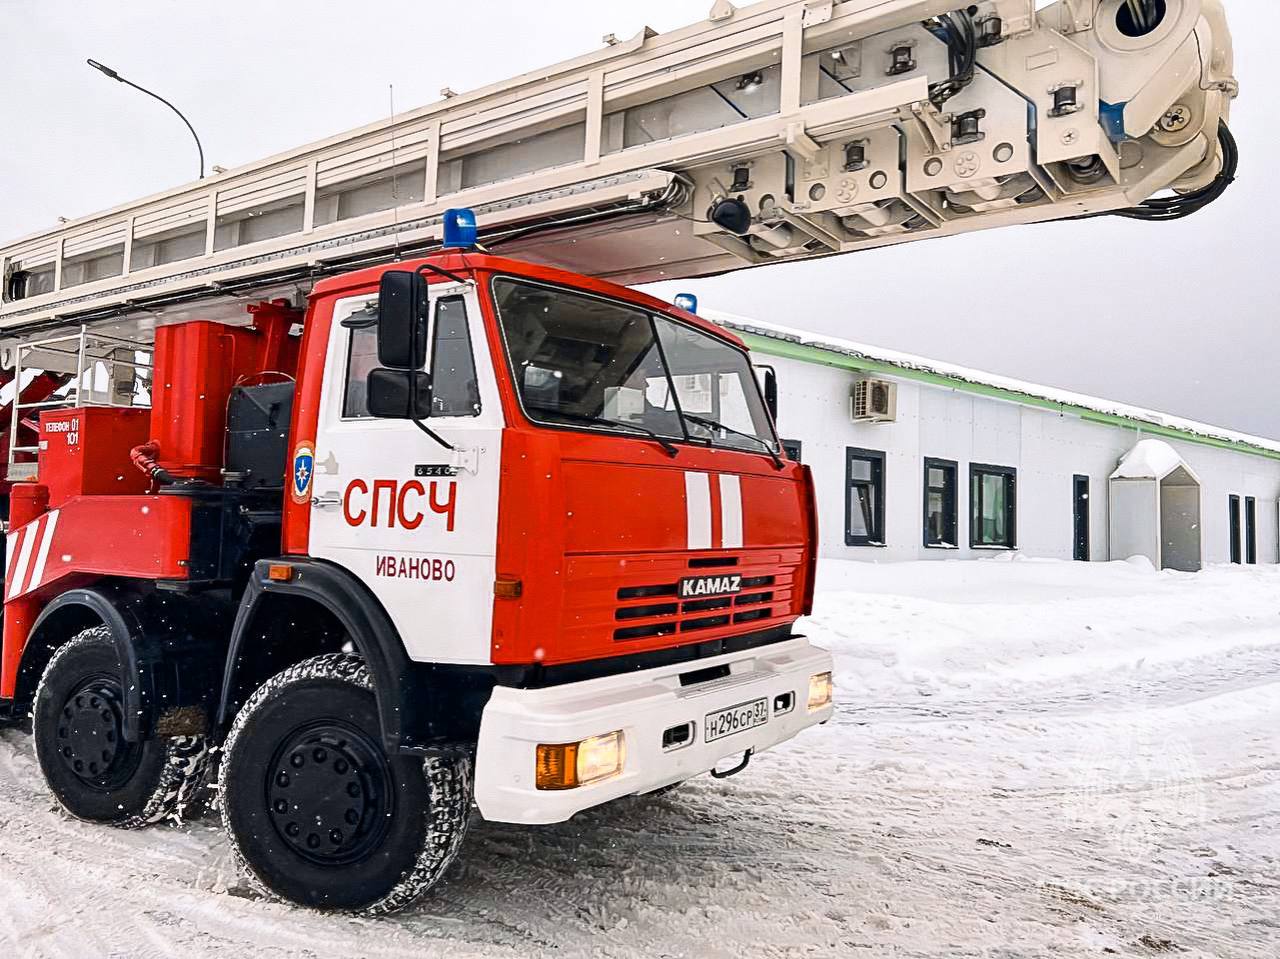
(415, 521)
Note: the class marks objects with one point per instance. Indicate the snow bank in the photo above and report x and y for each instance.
(902, 631)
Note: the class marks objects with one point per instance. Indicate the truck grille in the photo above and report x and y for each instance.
(662, 614)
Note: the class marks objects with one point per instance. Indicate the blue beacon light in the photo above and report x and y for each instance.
(687, 302)
(460, 228)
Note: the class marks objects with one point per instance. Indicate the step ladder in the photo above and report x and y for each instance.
(821, 119)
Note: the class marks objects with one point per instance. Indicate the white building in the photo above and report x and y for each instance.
(946, 462)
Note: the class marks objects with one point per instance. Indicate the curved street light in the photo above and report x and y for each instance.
(108, 72)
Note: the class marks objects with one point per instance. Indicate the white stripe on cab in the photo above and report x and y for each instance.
(697, 503)
(731, 510)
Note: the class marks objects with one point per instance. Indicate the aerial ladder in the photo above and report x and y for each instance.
(775, 132)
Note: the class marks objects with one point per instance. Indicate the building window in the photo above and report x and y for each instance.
(993, 499)
(1080, 519)
(1250, 530)
(864, 498)
(1233, 505)
(793, 449)
(940, 511)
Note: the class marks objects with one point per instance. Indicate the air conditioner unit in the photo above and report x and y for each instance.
(875, 401)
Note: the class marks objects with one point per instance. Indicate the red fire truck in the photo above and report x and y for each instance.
(483, 530)
(472, 528)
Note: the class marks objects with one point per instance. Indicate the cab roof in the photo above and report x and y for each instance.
(471, 265)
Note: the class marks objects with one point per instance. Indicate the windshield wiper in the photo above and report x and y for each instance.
(668, 447)
(715, 425)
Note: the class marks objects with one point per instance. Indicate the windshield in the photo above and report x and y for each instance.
(579, 360)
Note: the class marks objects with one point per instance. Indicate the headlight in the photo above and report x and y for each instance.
(820, 690)
(569, 765)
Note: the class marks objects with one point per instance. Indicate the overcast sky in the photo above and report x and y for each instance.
(1180, 317)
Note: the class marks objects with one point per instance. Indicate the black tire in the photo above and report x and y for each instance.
(92, 770)
(319, 813)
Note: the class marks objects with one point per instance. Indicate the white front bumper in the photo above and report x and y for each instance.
(643, 705)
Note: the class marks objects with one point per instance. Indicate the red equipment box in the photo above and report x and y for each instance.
(85, 452)
(197, 364)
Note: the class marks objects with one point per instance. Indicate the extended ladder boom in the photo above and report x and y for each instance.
(779, 131)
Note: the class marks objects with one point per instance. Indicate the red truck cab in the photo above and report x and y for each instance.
(528, 537)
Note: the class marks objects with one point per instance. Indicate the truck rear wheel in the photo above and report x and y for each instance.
(318, 812)
(93, 771)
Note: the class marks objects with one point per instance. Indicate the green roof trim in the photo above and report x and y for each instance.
(807, 353)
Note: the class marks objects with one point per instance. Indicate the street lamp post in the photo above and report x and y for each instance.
(108, 72)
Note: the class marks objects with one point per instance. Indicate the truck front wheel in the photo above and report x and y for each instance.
(316, 809)
(94, 772)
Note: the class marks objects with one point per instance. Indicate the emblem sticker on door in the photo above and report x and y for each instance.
(304, 467)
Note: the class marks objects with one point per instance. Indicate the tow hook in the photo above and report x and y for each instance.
(746, 759)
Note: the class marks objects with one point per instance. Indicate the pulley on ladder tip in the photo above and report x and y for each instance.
(730, 213)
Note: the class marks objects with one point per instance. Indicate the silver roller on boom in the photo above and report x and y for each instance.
(774, 132)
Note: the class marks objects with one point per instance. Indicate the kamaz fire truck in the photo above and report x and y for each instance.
(305, 482)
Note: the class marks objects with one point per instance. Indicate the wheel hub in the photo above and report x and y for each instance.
(90, 738)
(328, 792)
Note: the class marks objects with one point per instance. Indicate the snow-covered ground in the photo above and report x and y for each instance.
(1030, 759)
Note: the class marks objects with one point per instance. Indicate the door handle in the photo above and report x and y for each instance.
(324, 502)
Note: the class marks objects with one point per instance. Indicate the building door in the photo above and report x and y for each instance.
(1234, 519)
(1080, 518)
(1250, 530)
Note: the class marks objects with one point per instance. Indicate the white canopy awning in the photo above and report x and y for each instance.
(1152, 460)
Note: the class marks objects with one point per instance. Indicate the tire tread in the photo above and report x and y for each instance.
(448, 779)
(187, 761)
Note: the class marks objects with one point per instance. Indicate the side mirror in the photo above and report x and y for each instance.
(402, 321)
(399, 394)
(769, 386)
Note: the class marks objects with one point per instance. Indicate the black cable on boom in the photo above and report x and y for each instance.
(958, 31)
(1184, 205)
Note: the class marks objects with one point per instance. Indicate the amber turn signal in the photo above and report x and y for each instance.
(558, 766)
(280, 572)
(506, 587)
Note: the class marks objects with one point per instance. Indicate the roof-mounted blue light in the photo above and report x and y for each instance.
(460, 228)
(687, 302)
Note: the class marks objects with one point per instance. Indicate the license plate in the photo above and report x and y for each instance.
(736, 719)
